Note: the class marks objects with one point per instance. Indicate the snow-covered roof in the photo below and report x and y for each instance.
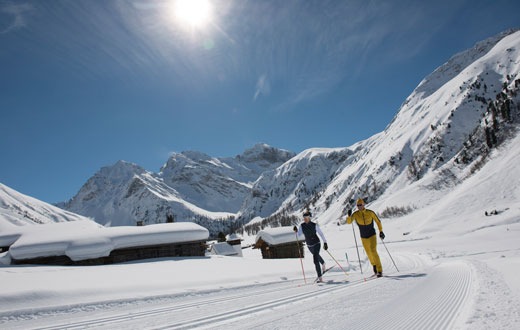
(80, 240)
(279, 235)
(233, 237)
(223, 249)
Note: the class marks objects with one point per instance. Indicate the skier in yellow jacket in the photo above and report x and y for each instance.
(365, 220)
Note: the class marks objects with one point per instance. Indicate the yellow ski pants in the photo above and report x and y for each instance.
(370, 245)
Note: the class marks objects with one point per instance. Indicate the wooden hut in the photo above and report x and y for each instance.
(278, 243)
(235, 241)
(223, 249)
(63, 244)
(184, 249)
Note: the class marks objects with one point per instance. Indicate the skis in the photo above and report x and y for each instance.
(372, 277)
(326, 270)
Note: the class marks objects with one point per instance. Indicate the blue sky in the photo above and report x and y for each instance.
(84, 84)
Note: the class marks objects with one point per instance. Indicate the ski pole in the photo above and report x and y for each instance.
(300, 253)
(357, 250)
(337, 262)
(389, 255)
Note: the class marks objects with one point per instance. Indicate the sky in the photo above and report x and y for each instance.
(84, 84)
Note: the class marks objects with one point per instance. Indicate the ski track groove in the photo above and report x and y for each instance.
(451, 307)
(124, 317)
(448, 303)
(157, 311)
(236, 314)
(219, 317)
(427, 309)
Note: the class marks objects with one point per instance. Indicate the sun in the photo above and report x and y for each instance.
(193, 13)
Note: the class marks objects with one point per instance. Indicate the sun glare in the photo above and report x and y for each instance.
(195, 13)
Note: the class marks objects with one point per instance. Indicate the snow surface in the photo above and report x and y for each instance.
(444, 281)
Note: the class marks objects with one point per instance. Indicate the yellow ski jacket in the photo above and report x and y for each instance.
(365, 221)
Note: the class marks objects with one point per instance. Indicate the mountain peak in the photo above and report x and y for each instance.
(121, 170)
(196, 156)
(265, 152)
(457, 63)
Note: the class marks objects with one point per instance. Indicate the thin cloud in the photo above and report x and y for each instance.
(18, 13)
(331, 43)
(262, 87)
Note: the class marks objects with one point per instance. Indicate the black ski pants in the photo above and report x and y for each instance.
(318, 260)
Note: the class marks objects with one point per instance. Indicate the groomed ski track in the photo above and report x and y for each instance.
(418, 297)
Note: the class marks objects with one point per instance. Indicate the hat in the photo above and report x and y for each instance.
(360, 201)
(307, 214)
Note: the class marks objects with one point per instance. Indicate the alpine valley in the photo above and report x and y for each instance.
(452, 125)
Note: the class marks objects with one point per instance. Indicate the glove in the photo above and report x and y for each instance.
(295, 228)
(382, 235)
(349, 213)
(325, 246)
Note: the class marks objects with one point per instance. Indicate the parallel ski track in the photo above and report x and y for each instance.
(243, 311)
(123, 317)
(427, 307)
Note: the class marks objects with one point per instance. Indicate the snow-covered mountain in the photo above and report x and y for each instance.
(191, 186)
(218, 184)
(441, 135)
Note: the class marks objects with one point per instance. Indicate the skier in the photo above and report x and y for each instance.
(311, 230)
(365, 220)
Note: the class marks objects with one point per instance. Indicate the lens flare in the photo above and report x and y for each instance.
(194, 13)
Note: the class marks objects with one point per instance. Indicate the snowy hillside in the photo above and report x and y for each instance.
(442, 135)
(191, 186)
(19, 212)
(17, 209)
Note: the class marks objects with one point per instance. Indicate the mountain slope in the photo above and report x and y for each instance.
(447, 127)
(17, 209)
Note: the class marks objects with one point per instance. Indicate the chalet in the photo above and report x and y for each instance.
(223, 249)
(236, 242)
(231, 247)
(278, 243)
(87, 243)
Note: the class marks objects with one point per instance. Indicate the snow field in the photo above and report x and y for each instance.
(445, 281)
(267, 304)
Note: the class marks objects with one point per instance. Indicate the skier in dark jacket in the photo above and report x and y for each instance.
(311, 230)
